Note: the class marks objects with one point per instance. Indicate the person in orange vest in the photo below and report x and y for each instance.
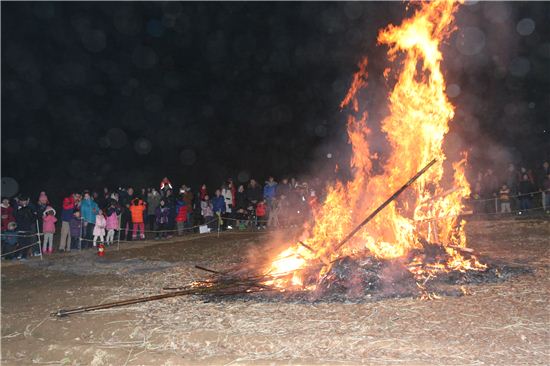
(261, 210)
(136, 209)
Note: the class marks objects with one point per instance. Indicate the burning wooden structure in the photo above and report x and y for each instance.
(410, 240)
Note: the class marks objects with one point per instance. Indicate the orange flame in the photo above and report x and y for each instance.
(415, 129)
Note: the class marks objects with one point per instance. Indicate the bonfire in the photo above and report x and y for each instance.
(415, 231)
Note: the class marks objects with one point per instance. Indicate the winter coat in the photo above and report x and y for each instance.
(112, 220)
(89, 210)
(228, 196)
(75, 227)
(25, 217)
(100, 223)
(153, 200)
(49, 221)
(260, 209)
(240, 201)
(206, 209)
(7, 216)
(182, 209)
(68, 209)
(270, 189)
(218, 204)
(162, 215)
(203, 192)
(283, 190)
(254, 193)
(525, 186)
(137, 211)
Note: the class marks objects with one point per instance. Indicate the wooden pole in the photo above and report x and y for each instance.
(381, 207)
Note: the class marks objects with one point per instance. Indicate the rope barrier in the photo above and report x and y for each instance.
(20, 249)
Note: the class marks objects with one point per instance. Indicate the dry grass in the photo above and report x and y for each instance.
(505, 323)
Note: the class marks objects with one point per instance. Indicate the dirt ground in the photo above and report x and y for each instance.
(505, 323)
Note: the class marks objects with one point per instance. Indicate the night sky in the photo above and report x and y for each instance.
(110, 94)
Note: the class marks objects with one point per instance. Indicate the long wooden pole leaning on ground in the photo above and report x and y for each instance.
(381, 207)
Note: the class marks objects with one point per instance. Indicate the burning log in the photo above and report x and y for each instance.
(381, 207)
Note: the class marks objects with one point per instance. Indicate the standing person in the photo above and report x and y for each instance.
(218, 206)
(188, 197)
(261, 211)
(162, 213)
(270, 190)
(504, 196)
(99, 228)
(49, 220)
(181, 215)
(25, 217)
(273, 220)
(125, 199)
(66, 217)
(153, 201)
(253, 193)
(165, 185)
(525, 190)
(283, 188)
(241, 205)
(137, 208)
(75, 226)
(227, 194)
(112, 223)
(7, 214)
(170, 201)
(41, 205)
(88, 211)
(203, 192)
(207, 212)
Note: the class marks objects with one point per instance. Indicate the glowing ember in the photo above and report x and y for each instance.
(415, 129)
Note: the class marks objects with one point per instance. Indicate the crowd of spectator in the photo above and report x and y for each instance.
(513, 190)
(91, 218)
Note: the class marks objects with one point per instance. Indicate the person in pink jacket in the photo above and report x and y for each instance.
(112, 222)
(99, 228)
(49, 221)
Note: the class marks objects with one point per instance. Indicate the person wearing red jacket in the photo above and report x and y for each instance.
(182, 209)
(7, 214)
(261, 211)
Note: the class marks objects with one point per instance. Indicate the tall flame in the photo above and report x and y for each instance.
(415, 128)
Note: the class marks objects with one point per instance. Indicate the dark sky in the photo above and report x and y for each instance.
(111, 93)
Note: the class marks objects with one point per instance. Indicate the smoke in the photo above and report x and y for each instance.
(492, 64)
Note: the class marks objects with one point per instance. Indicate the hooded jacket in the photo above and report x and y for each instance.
(49, 220)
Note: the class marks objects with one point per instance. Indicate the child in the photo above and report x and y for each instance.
(75, 228)
(261, 209)
(162, 214)
(112, 224)
(136, 208)
(9, 240)
(99, 228)
(504, 196)
(206, 210)
(49, 221)
(218, 206)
